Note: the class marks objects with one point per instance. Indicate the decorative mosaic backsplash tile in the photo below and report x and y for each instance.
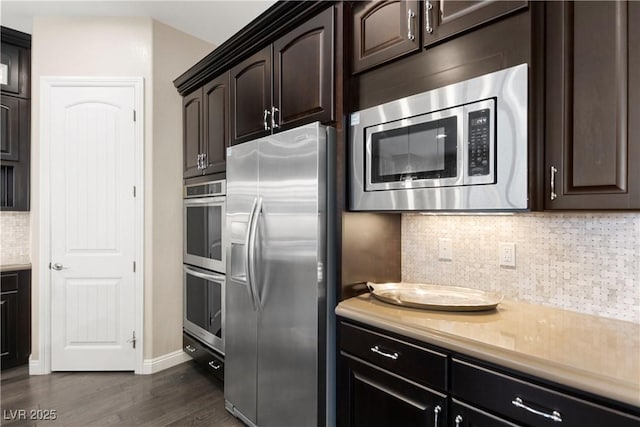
(14, 238)
(582, 262)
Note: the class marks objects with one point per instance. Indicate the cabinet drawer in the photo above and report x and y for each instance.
(468, 416)
(9, 281)
(419, 364)
(380, 399)
(528, 403)
(203, 356)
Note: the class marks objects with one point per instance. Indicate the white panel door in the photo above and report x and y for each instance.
(92, 174)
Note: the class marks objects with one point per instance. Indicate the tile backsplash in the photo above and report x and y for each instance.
(14, 238)
(582, 262)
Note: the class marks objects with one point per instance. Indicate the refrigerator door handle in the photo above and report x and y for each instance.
(252, 252)
(248, 256)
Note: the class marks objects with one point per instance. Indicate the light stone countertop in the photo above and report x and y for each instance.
(590, 353)
(14, 267)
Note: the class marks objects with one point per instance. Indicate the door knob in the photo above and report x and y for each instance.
(56, 266)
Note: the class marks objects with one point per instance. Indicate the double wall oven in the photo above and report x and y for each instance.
(204, 262)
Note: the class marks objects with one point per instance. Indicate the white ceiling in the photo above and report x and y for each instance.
(211, 20)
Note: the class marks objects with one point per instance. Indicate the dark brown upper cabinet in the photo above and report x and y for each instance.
(15, 153)
(302, 73)
(193, 131)
(14, 71)
(383, 31)
(10, 132)
(592, 130)
(445, 18)
(215, 102)
(251, 97)
(286, 84)
(15, 132)
(206, 128)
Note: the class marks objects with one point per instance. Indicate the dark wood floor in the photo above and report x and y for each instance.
(180, 396)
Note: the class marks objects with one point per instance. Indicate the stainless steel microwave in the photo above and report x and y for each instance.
(462, 147)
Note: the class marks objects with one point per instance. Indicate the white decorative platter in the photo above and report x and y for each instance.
(434, 297)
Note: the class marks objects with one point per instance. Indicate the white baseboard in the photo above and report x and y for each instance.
(166, 361)
(35, 368)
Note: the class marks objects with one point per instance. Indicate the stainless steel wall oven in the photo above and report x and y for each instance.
(204, 262)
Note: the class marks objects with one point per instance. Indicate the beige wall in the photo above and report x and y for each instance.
(126, 47)
(173, 53)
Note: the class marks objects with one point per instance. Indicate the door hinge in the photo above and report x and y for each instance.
(134, 115)
(134, 266)
(134, 191)
(132, 340)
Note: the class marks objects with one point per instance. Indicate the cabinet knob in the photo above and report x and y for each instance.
(265, 118)
(552, 415)
(436, 415)
(458, 420)
(410, 20)
(553, 182)
(274, 122)
(427, 16)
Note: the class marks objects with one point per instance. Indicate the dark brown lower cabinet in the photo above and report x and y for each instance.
(209, 360)
(15, 318)
(376, 388)
(378, 398)
(467, 416)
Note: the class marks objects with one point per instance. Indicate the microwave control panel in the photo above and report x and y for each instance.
(479, 142)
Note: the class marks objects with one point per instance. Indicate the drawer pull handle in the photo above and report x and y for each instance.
(190, 349)
(458, 420)
(215, 364)
(554, 416)
(436, 412)
(393, 355)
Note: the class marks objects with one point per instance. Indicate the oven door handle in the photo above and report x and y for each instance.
(252, 252)
(207, 276)
(198, 201)
(247, 242)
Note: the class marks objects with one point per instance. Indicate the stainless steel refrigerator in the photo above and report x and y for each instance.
(280, 295)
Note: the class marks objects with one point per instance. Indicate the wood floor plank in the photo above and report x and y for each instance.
(180, 396)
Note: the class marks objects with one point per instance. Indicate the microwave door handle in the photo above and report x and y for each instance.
(247, 254)
(207, 276)
(252, 251)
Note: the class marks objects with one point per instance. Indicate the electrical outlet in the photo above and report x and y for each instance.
(445, 251)
(507, 254)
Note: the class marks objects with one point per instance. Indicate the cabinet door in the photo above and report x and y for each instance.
(378, 399)
(303, 73)
(384, 30)
(8, 326)
(251, 97)
(193, 129)
(10, 68)
(463, 415)
(15, 318)
(445, 18)
(15, 154)
(592, 131)
(216, 124)
(10, 131)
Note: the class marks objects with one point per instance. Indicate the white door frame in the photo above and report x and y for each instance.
(46, 85)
